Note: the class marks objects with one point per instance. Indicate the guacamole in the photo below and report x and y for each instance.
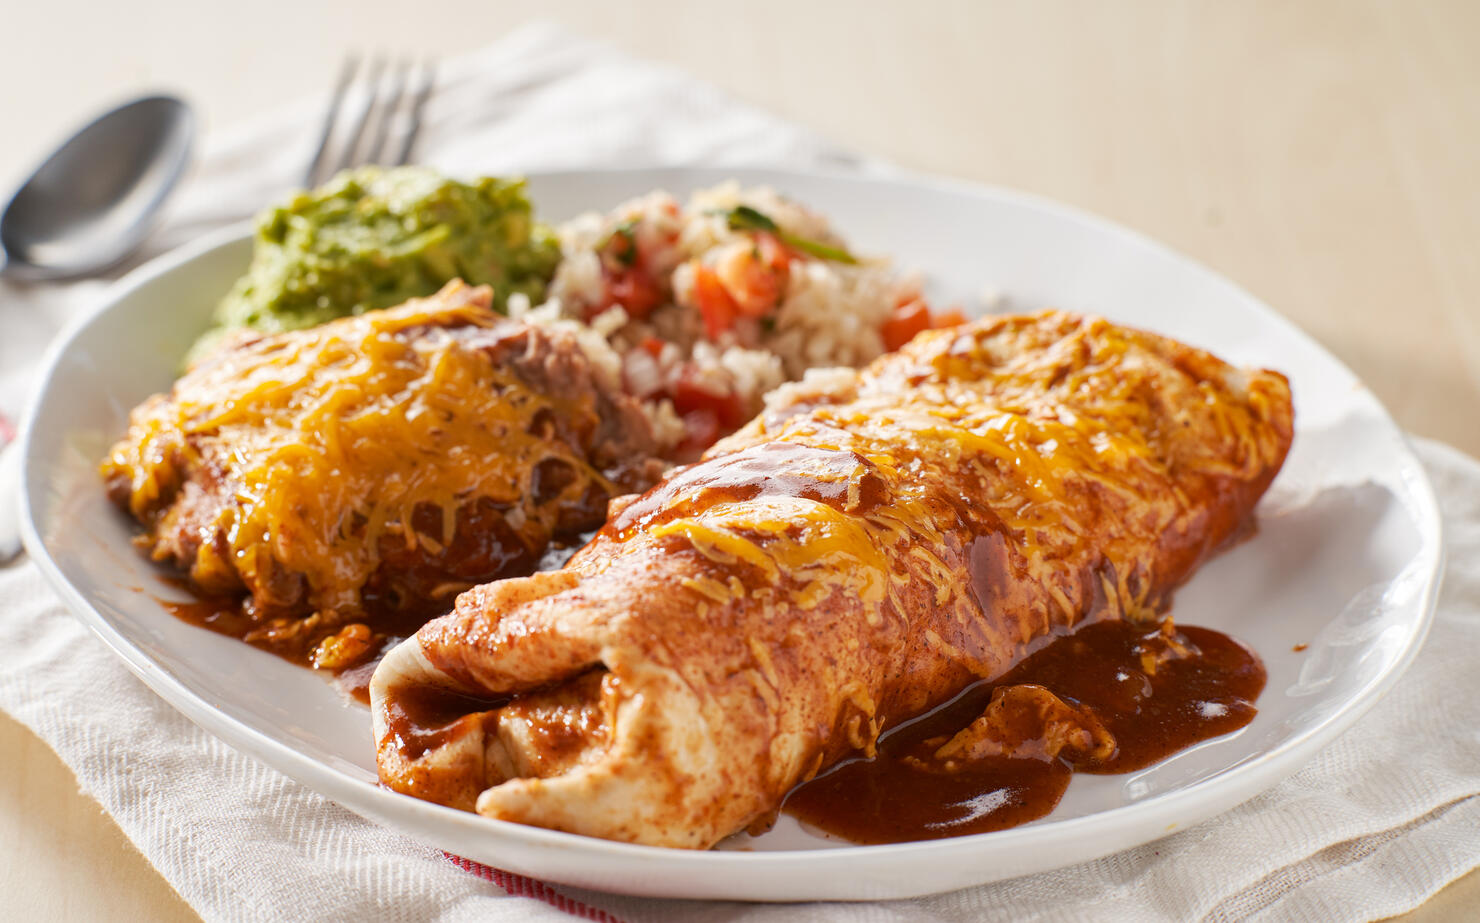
(374, 237)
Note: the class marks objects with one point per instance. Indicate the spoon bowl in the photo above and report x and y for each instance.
(94, 200)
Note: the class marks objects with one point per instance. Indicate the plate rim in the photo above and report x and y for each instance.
(1115, 828)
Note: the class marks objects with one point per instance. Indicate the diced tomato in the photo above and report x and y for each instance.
(636, 291)
(715, 304)
(689, 396)
(907, 320)
(755, 275)
(707, 414)
(652, 346)
(624, 271)
(951, 318)
(774, 253)
(703, 431)
(654, 245)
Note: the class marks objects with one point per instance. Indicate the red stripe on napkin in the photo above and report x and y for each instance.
(519, 886)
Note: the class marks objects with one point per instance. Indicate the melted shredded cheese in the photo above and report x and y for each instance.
(1069, 437)
(329, 439)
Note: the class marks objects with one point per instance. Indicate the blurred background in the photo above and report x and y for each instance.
(1320, 154)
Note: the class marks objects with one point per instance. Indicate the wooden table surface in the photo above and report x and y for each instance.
(1321, 154)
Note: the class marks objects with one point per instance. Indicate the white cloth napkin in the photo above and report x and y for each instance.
(1377, 823)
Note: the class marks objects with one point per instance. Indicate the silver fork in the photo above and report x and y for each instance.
(386, 102)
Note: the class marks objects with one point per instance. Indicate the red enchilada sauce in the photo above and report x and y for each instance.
(1123, 696)
(424, 718)
(1118, 696)
(225, 616)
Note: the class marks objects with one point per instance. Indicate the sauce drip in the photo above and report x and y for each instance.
(839, 478)
(1156, 690)
(422, 718)
(221, 614)
(227, 615)
(355, 681)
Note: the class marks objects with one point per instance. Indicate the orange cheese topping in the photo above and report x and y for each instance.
(331, 438)
(1069, 437)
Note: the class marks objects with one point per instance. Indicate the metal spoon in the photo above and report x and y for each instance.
(89, 205)
(93, 201)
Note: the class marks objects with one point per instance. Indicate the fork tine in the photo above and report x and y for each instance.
(418, 102)
(362, 117)
(375, 153)
(341, 86)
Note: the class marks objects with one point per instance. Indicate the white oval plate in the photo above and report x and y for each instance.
(1346, 562)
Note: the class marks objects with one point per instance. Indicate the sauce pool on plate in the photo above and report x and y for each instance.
(1111, 697)
(1153, 689)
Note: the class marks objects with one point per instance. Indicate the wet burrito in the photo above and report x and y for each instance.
(870, 545)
